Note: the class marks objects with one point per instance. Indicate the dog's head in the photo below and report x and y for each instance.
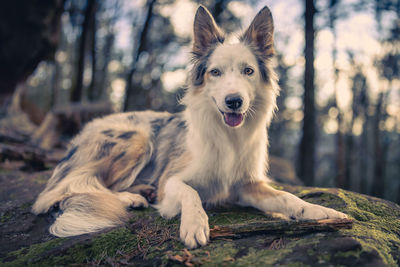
(235, 77)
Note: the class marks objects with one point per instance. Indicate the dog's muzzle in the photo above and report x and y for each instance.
(233, 102)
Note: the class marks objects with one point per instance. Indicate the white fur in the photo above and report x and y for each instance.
(290, 206)
(179, 197)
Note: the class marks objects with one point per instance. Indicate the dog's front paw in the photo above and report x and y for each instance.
(316, 212)
(132, 200)
(194, 230)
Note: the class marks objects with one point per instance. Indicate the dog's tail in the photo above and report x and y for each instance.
(87, 213)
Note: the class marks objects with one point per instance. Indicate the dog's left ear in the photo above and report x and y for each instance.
(260, 32)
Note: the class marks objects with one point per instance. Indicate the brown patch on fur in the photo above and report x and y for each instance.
(175, 166)
(123, 158)
(260, 190)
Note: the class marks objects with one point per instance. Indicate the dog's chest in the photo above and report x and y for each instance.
(218, 173)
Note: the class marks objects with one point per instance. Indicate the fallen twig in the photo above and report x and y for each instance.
(280, 227)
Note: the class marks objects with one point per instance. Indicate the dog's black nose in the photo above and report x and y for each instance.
(233, 101)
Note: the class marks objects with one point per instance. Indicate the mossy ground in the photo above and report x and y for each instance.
(149, 240)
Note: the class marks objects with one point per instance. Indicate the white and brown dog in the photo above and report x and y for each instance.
(214, 152)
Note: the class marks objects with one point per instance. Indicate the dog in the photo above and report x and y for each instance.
(214, 152)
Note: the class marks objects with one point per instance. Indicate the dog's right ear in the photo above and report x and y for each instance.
(206, 31)
(260, 32)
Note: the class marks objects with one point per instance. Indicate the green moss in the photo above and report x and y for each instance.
(105, 245)
(296, 264)
(109, 243)
(277, 186)
(220, 253)
(260, 257)
(5, 217)
(31, 255)
(26, 205)
(14, 213)
(350, 253)
(312, 190)
(377, 226)
(323, 258)
(236, 216)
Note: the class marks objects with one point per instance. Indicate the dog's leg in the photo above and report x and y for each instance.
(263, 197)
(180, 197)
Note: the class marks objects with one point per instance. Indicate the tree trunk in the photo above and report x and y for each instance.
(340, 158)
(29, 34)
(109, 43)
(55, 84)
(93, 93)
(340, 155)
(77, 87)
(107, 53)
(380, 150)
(141, 47)
(307, 145)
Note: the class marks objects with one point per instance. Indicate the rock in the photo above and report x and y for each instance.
(243, 237)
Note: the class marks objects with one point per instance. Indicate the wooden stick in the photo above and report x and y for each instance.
(280, 228)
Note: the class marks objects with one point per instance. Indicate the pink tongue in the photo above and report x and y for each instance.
(233, 119)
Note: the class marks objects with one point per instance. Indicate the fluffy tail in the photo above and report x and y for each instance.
(87, 213)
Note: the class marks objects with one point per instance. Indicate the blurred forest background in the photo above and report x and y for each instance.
(63, 62)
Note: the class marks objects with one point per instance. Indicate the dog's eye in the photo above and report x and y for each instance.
(215, 72)
(248, 71)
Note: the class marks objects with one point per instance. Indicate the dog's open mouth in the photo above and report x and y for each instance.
(233, 119)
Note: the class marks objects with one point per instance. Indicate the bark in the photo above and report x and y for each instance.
(93, 94)
(280, 228)
(364, 147)
(109, 43)
(76, 91)
(340, 159)
(141, 47)
(380, 151)
(363, 154)
(340, 155)
(308, 140)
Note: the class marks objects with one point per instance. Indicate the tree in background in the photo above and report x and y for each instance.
(139, 48)
(389, 67)
(29, 34)
(86, 29)
(308, 140)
